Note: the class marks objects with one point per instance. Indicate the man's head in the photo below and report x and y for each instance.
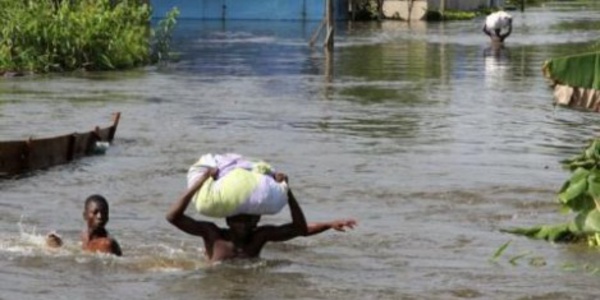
(243, 224)
(95, 212)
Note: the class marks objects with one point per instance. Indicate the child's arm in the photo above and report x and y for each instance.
(179, 219)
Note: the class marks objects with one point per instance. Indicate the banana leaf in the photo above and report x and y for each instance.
(576, 80)
(582, 70)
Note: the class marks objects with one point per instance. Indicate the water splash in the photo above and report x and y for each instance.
(28, 243)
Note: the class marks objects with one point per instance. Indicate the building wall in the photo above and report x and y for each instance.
(250, 9)
(465, 4)
(405, 9)
(416, 9)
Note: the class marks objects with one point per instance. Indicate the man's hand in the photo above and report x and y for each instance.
(280, 177)
(213, 172)
(341, 225)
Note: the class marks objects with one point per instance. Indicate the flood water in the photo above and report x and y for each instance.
(432, 140)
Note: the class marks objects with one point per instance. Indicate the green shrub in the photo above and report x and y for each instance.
(64, 35)
(450, 15)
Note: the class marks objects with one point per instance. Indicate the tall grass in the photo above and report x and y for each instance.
(64, 35)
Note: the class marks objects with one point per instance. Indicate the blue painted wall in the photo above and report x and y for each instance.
(250, 9)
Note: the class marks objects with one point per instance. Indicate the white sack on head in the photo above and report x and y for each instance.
(243, 186)
(498, 20)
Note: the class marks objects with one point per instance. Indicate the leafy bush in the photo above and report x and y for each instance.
(64, 35)
(450, 15)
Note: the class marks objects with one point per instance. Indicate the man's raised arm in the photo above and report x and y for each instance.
(176, 214)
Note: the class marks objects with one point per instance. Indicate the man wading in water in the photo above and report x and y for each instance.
(243, 238)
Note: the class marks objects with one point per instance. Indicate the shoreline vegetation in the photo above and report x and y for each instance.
(41, 36)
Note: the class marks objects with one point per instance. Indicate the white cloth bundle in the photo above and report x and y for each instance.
(242, 187)
(498, 20)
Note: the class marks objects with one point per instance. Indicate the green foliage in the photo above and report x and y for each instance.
(580, 194)
(163, 36)
(552, 233)
(500, 250)
(450, 15)
(366, 10)
(64, 35)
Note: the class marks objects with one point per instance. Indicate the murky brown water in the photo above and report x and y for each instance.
(429, 138)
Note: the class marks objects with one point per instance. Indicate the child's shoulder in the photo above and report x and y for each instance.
(103, 244)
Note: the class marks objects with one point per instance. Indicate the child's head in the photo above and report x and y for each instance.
(95, 212)
(242, 224)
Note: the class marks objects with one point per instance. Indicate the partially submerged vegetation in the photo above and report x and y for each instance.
(65, 35)
(579, 195)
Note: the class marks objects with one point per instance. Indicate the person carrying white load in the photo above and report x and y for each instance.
(243, 238)
(495, 23)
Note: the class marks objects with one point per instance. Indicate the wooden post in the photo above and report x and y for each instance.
(330, 25)
(442, 7)
(328, 66)
(522, 5)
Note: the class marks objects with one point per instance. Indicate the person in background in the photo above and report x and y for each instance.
(494, 23)
(244, 238)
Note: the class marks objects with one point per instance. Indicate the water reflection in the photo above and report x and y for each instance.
(497, 59)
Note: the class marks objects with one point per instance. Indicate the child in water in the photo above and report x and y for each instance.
(94, 238)
(243, 238)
